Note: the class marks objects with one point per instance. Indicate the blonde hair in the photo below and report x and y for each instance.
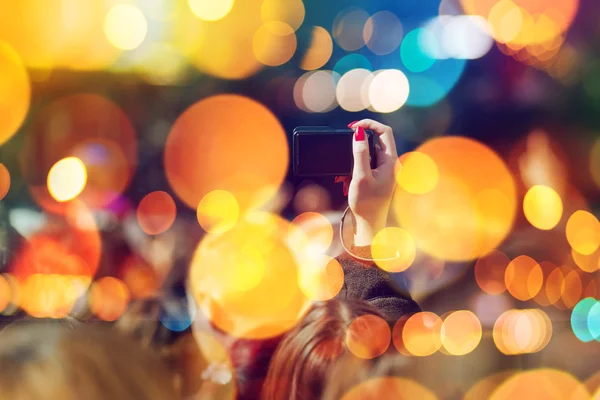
(44, 360)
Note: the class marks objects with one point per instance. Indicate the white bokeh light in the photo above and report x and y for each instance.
(352, 90)
(388, 91)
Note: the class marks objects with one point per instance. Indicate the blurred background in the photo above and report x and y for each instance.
(134, 134)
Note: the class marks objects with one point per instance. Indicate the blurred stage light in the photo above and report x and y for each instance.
(413, 53)
(109, 298)
(583, 232)
(4, 181)
(125, 26)
(156, 212)
(419, 335)
(523, 278)
(320, 277)
(320, 50)
(219, 144)
(460, 37)
(210, 10)
(543, 207)
(587, 263)
(15, 94)
(352, 91)
(368, 337)
(470, 210)
(393, 249)
(389, 90)
(350, 62)
(490, 270)
(541, 384)
(416, 173)
(383, 33)
(315, 91)
(522, 331)
(348, 28)
(218, 211)
(389, 388)
(274, 43)
(67, 179)
(310, 233)
(290, 12)
(461, 333)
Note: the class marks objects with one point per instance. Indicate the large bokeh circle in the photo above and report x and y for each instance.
(226, 142)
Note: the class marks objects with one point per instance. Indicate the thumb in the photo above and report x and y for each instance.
(360, 150)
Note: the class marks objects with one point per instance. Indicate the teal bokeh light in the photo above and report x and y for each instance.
(585, 319)
(350, 62)
(412, 54)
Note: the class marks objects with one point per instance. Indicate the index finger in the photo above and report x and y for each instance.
(385, 133)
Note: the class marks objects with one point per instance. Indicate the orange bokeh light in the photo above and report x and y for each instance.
(522, 331)
(245, 280)
(368, 337)
(572, 289)
(389, 388)
(393, 249)
(141, 280)
(109, 298)
(489, 272)
(583, 232)
(51, 295)
(15, 92)
(4, 181)
(220, 143)
(552, 284)
(523, 278)
(274, 43)
(587, 263)
(156, 212)
(541, 384)
(524, 22)
(471, 208)
(91, 128)
(320, 50)
(461, 332)
(421, 334)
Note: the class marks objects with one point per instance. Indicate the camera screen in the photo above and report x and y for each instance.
(324, 154)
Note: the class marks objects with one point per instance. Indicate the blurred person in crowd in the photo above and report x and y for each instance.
(42, 360)
(370, 194)
(309, 351)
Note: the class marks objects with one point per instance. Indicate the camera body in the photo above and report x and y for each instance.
(320, 151)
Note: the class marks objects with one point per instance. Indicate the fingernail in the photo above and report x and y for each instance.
(351, 123)
(359, 136)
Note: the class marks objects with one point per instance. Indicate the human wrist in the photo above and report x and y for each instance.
(366, 229)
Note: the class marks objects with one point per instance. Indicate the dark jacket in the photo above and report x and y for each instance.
(368, 282)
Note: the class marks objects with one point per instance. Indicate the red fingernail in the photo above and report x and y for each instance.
(360, 134)
(351, 123)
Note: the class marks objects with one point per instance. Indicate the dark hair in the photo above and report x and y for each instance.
(306, 354)
(42, 360)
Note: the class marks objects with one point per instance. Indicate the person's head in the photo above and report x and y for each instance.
(43, 360)
(306, 354)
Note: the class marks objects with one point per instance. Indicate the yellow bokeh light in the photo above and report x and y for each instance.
(416, 173)
(393, 249)
(320, 50)
(4, 181)
(541, 384)
(51, 295)
(421, 334)
(218, 211)
(291, 12)
(274, 43)
(15, 92)
(587, 263)
(246, 279)
(321, 277)
(125, 26)
(583, 232)
(543, 207)
(470, 210)
(506, 21)
(211, 10)
(461, 333)
(389, 388)
(67, 179)
(368, 337)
